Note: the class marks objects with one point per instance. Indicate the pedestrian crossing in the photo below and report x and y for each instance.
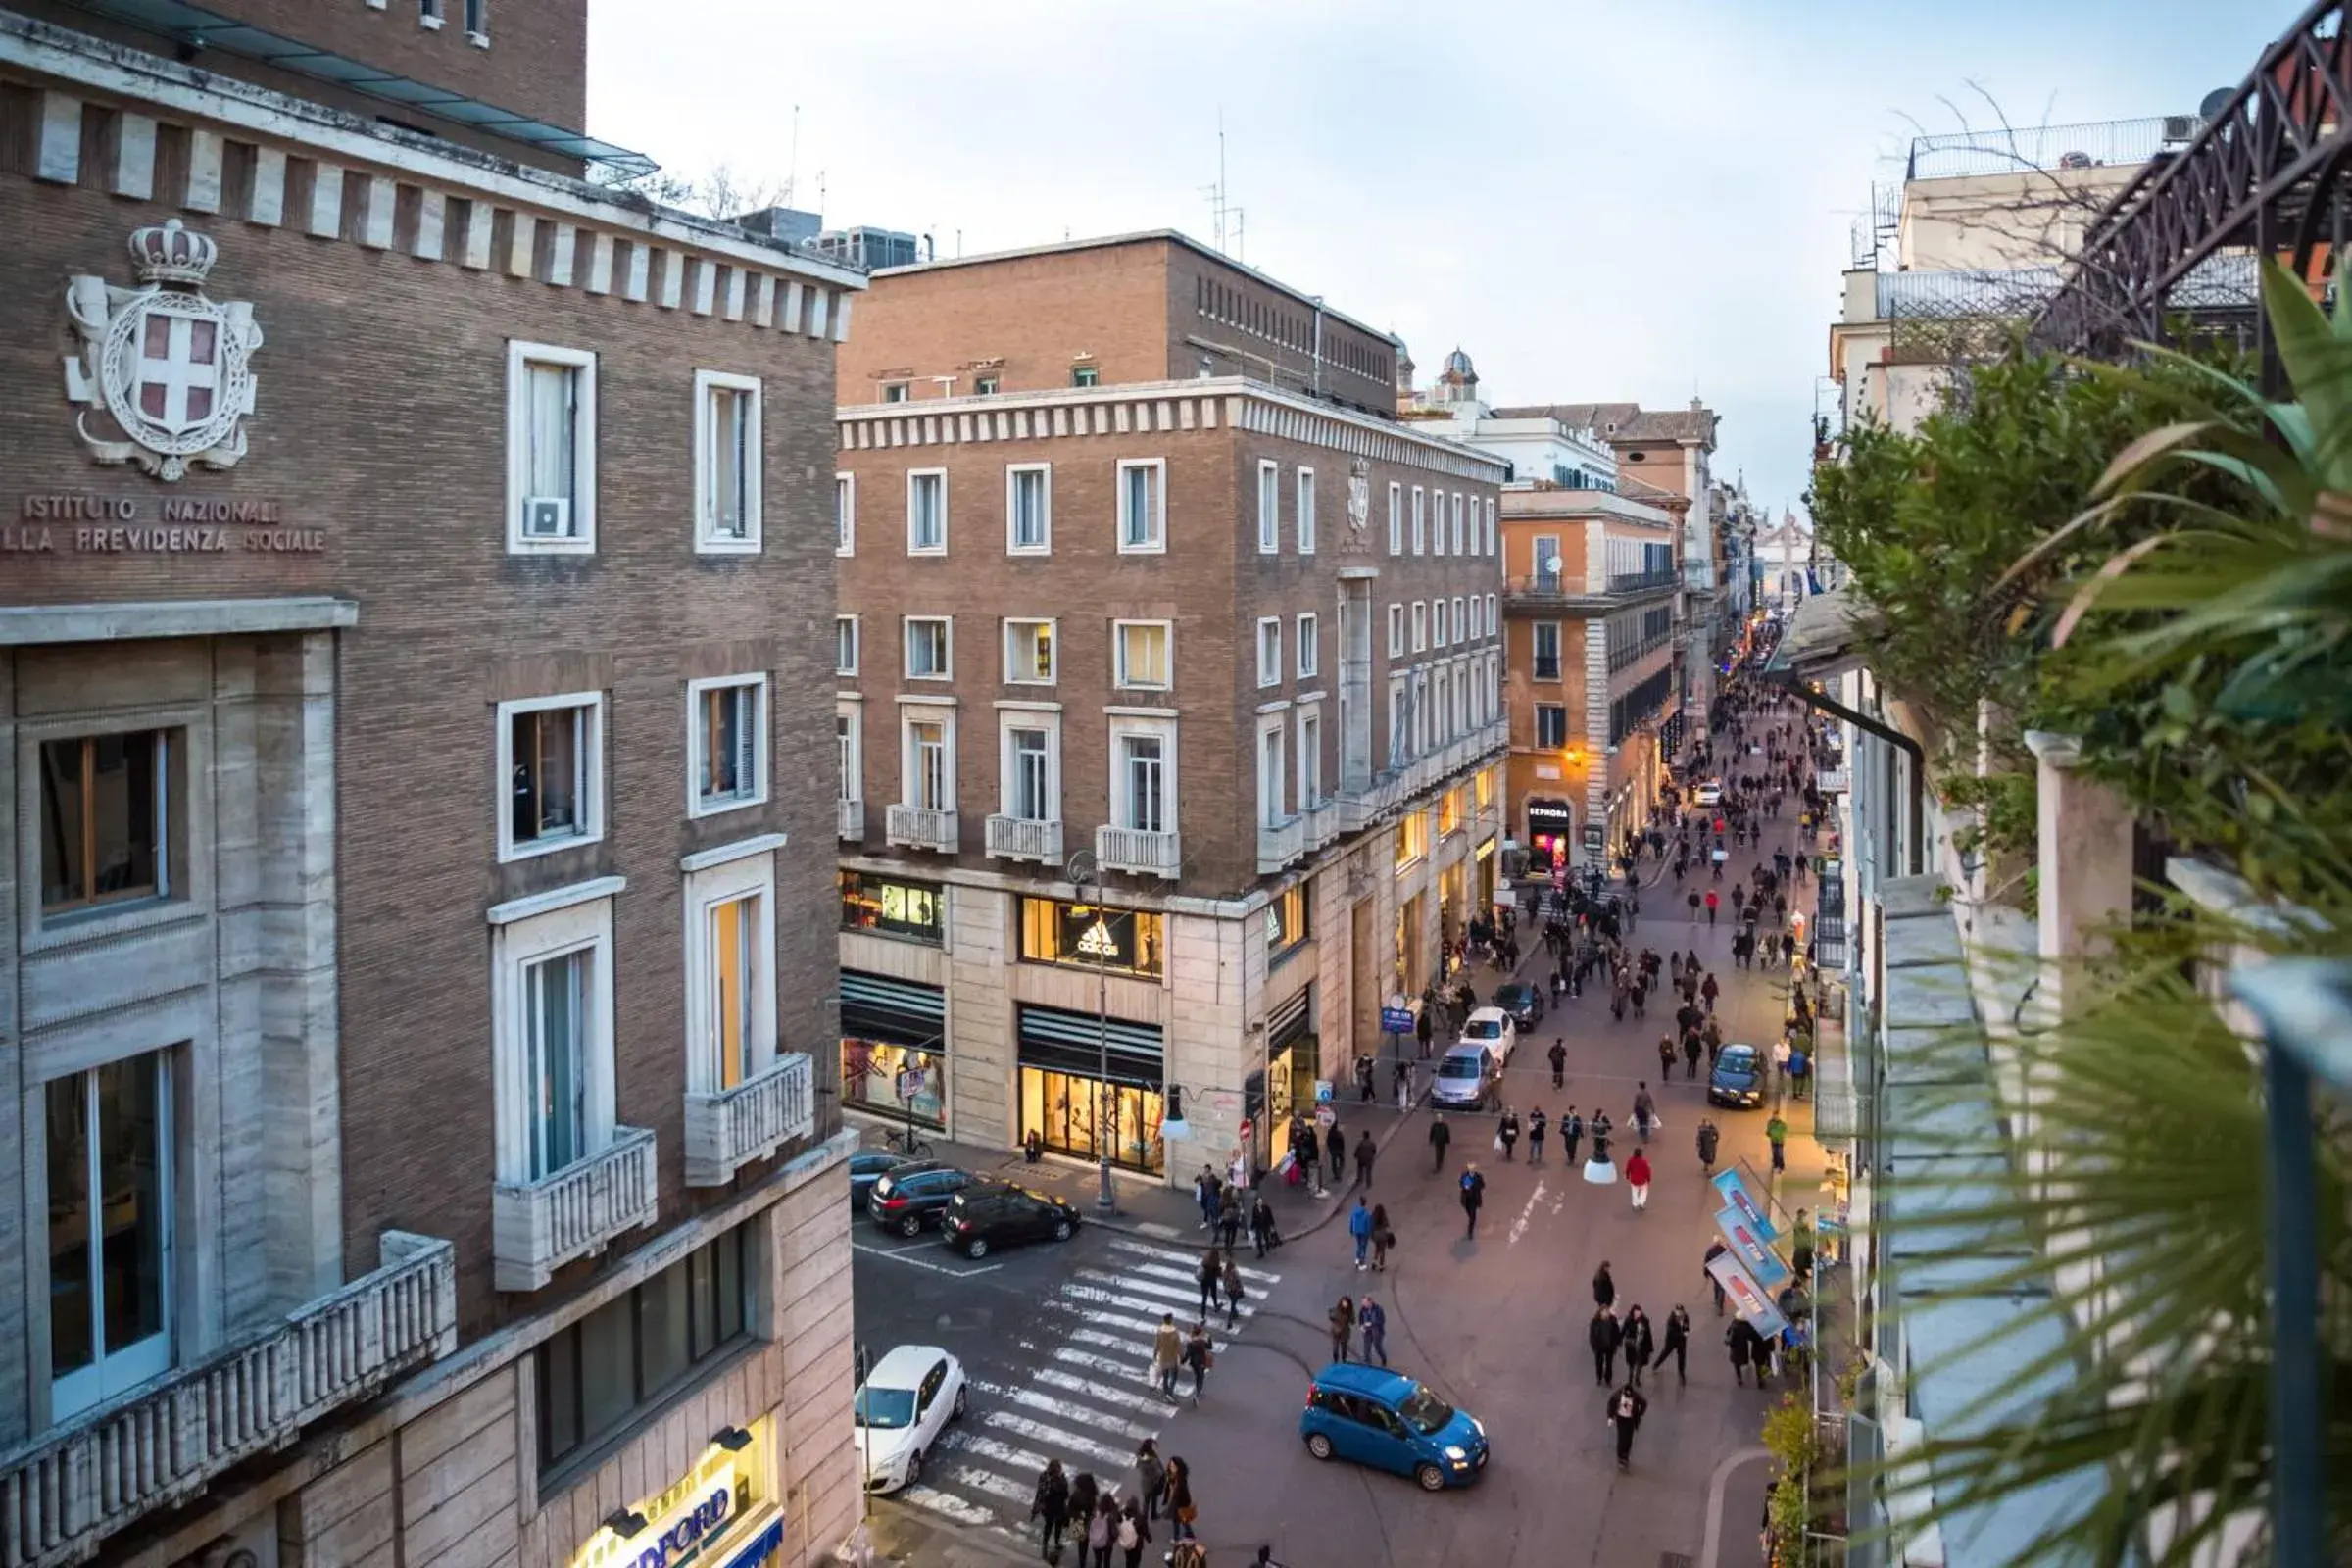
(1090, 1399)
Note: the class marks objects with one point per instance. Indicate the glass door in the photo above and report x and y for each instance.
(109, 1174)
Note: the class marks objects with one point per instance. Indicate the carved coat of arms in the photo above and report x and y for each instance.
(165, 375)
(1359, 494)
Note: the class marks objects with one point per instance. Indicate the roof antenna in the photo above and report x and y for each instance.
(792, 177)
(1220, 208)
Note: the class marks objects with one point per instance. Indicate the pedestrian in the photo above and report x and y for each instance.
(1233, 1290)
(1534, 1136)
(1708, 989)
(1645, 1108)
(1180, 1497)
(1440, 1135)
(1366, 1150)
(1085, 1491)
(1605, 1333)
(1636, 1177)
(1800, 1068)
(1677, 1343)
(1627, 1406)
(1199, 1355)
(1605, 1285)
(1707, 1136)
(1801, 1243)
(1738, 1340)
(1775, 1132)
(1343, 1327)
(1507, 1132)
(1335, 1147)
(1204, 1194)
(1400, 1080)
(1600, 1127)
(1359, 1227)
(1712, 902)
(1033, 1146)
(1229, 1218)
(1639, 1345)
(1101, 1530)
(1051, 1504)
(1781, 1052)
(1715, 1249)
(1572, 1134)
(1373, 1320)
(1474, 1194)
(1261, 1225)
(1135, 1531)
(1383, 1238)
(1559, 1064)
(1690, 898)
(1422, 1026)
(1150, 1475)
(1167, 1354)
(1210, 1273)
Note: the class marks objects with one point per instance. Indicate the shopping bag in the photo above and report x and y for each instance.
(1498, 1143)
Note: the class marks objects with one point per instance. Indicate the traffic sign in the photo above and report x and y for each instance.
(1395, 1021)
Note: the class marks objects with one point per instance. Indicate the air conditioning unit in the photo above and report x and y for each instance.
(547, 518)
(2182, 127)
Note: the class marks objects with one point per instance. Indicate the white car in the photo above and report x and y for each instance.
(1493, 1028)
(1710, 793)
(903, 1407)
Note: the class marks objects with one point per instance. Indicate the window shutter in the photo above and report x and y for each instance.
(746, 739)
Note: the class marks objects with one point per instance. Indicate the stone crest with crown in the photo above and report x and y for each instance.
(164, 377)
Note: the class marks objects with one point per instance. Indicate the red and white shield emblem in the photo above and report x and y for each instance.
(176, 380)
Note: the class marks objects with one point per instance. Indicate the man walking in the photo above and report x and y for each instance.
(1603, 1335)
(1534, 1136)
(1572, 1134)
(1335, 1147)
(1776, 1131)
(1508, 1132)
(1365, 1153)
(1360, 1225)
(1676, 1343)
(1440, 1135)
(1559, 1064)
(1627, 1406)
(1167, 1353)
(1373, 1320)
(1474, 1194)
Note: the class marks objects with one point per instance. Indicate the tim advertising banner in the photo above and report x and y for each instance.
(1733, 1188)
(1754, 1254)
(1747, 1297)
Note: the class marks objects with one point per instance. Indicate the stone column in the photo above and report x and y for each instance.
(2084, 839)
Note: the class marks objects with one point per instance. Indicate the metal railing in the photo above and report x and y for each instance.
(2015, 149)
(920, 827)
(538, 1227)
(1137, 849)
(1638, 582)
(751, 1120)
(1021, 838)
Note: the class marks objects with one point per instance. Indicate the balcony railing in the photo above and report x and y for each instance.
(850, 820)
(1322, 824)
(1137, 849)
(749, 1121)
(540, 1226)
(1553, 589)
(1280, 844)
(919, 827)
(1834, 781)
(1642, 582)
(1019, 837)
(63, 1494)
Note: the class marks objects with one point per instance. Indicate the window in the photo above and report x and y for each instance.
(849, 742)
(1396, 519)
(1142, 803)
(1029, 652)
(845, 645)
(555, 1039)
(1086, 375)
(1142, 649)
(1437, 623)
(893, 392)
(1269, 651)
(1029, 771)
(1492, 622)
(930, 647)
(1551, 724)
(1437, 522)
(1400, 721)
(551, 753)
(1272, 772)
(1547, 650)
(1420, 626)
(845, 514)
(1269, 507)
(1310, 760)
(1420, 521)
(1287, 922)
(927, 759)
(1029, 510)
(1143, 506)
(927, 512)
(728, 732)
(1490, 550)
(109, 1167)
(1413, 838)
(599, 1375)
(477, 21)
(1461, 545)
(428, 11)
(551, 450)
(984, 386)
(727, 463)
(731, 937)
(1310, 649)
(1450, 813)
(1128, 941)
(1461, 623)
(1396, 631)
(1306, 512)
(1548, 563)
(106, 819)
(916, 910)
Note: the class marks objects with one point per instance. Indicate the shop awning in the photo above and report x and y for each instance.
(1819, 641)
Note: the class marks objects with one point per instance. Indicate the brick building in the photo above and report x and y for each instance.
(415, 577)
(1169, 678)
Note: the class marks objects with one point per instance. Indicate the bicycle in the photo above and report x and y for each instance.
(907, 1142)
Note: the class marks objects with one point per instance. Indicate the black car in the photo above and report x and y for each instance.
(989, 1212)
(1524, 1003)
(914, 1195)
(1737, 1079)
(867, 1167)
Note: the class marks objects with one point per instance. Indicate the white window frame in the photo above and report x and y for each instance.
(696, 804)
(1269, 507)
(591, 775)
(1269, 651)
(1045, 472)
(707, 540)
(1462, 629)
(906, 626)
(1396, 631)
(1118, 656)
(1157, 544)
(118, 1369)
(1400, 738)
(1052, 648)
(851, 768)
(1396, 519)
(1491, 532)
(1037, 719)
(1308, 645)
(1420, 626)
(1308, 750)
(516, 947)
(1270, 760)
(943, 714)
(1304, 528)
(1493, 625)
(1439, 625)
(845, 514)
(582, 539)
(856, 643)
(1123, 725)
(751, 876)
(1420, 520)
(941, 548)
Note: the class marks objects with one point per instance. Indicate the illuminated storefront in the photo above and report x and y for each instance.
(913, 912)
(1130, 942)
(893, 1038)
(712, 1517)
(1076, 1106)
(1551, 832)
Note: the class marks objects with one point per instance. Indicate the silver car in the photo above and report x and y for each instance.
(1468, 1077)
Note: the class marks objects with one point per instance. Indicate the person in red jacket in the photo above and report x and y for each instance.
(1636, 1177)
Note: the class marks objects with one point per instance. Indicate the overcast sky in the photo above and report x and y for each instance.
(1636, 199)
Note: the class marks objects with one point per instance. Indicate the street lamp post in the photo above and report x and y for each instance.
(1097, 943)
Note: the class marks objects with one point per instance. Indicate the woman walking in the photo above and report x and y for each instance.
(1212, 1272)
(1135, 1528)
(1637, 1180)
(1101, 1530)
(1199, 1355)
(1233, 1290)
(1383, 1238)
(1180, 1498)
(1050, 1503)
(1676, 1343)
(1167, 1353)
(1150, 1475)
(1639, 1345)
(1343, 1327)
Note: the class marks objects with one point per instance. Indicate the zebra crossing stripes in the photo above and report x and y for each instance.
(1087, 1400)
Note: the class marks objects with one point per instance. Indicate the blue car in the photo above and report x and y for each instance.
(1385, 1419)
(1737, 1078)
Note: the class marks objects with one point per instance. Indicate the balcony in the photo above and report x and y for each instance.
(1018, 838)
(1834, 781)
(1322, 824)
(537, 1228)
(749, 1121)
(849, 821)
(1565, 590)
(1642, 582)
(918, 827)
(1280, 844)
(1137, 849)
(63, 1494)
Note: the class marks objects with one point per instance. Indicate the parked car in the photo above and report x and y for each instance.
(867, 1167)
(1710, 791)
(1385, 1419)
(989, 1212)
(914, 1195)
(1522, 1002)
(1493, 1028)
(902, 1408)
(1468, 1076)
(1737, 1077)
